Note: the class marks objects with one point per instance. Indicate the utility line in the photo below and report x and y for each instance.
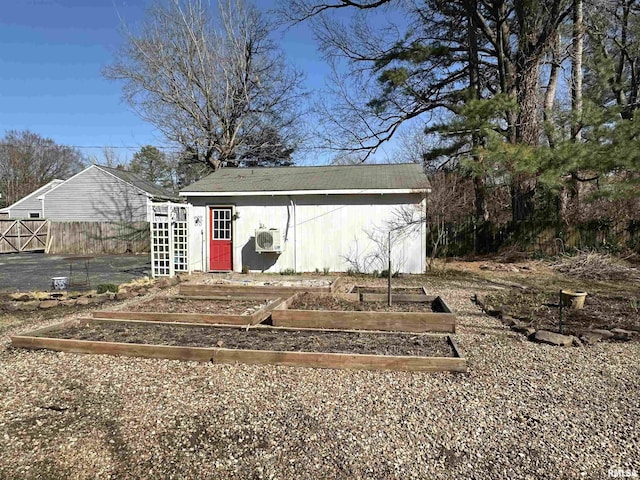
(128, 147)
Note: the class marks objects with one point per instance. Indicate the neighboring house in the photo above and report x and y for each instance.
(31, 205)
(96, 194)
(306, 218)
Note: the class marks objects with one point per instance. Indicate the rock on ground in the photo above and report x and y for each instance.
(551, 338)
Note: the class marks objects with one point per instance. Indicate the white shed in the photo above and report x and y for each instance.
(305, 219)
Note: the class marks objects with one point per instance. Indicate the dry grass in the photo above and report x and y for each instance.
(590, 265)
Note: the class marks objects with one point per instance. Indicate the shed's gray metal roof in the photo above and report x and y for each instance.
(333, 177)
(145, 185)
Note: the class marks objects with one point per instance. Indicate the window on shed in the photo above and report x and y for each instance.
(34, 214)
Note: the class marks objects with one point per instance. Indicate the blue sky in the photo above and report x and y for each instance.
(51, 56)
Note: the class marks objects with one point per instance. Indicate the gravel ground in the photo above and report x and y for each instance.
(524, 411)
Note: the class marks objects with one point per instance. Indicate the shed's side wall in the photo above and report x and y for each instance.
(320, 231)
(28, 205)
(95, 196)
(31, 204)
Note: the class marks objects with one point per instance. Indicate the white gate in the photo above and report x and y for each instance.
(169, 239)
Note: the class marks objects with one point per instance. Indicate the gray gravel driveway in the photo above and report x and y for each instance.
(26, 272)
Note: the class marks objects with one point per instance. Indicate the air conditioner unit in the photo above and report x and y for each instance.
(268, 240)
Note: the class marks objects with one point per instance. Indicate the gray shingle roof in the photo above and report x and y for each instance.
(145, 185)
(279, 179)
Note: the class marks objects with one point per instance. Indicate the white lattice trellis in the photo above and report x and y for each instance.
(169, 239)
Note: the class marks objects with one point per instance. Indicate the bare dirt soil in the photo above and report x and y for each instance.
(394, 290)
(181, 305)
(309, 301)
(10, 320)
(261, 280)
(261, 339)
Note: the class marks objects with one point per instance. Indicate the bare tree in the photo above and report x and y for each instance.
(373, 257)
(212, 81)
(186, 169)
(28, 161)
(109, 157)
(448, 202)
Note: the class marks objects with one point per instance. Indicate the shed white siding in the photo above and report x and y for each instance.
(320, 231)
(96, 196)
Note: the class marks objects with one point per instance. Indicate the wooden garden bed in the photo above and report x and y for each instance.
(192, 317)
(257, 345)
(346, 312)
(399, 294)
(253, 291)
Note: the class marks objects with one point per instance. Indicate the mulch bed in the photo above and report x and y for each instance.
(600, 312)
(309, 301)
(260, 339)
(180, 305)
(541, 311)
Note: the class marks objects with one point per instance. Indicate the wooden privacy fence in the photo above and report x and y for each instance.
(23, 235)
(548, 237)
(72, 238)
(98, 238)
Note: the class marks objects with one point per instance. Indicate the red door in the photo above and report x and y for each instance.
(220, 238)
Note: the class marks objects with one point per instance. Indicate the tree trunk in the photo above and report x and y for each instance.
(482, 207)
(479, 179)
(576, 70)
(571, 187)
(505, 64)
(527, 87)
(522, 192)
(550, 94)
(527, 132)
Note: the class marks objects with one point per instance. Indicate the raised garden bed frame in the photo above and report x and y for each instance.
(255, 318)
(395, 297)
(417, 322)
(456, 363)
(215, 292)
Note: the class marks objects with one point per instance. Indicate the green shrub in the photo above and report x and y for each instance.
(107, 287)
(385, 274)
